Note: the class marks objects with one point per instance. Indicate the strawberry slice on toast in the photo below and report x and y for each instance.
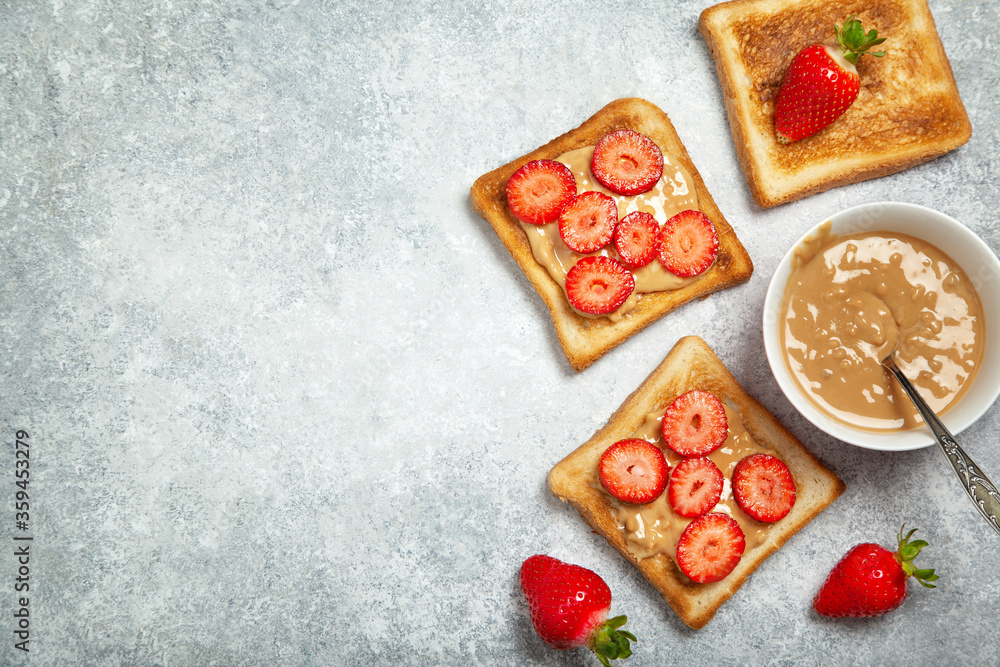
(634, 471)
(626, 162)
(695, 424)
(539, 190)
(598, 285)
(637, 238)
(587, 224)
(763, 487)
(710, 548)
(695, 486)
(688, 244)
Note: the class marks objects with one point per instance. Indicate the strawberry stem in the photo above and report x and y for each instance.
(854, 41)
(609, 643)
(907, 552)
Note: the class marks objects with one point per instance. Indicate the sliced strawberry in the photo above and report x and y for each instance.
(688, 244)
(636, 239)
(538, 191)
(763, 487)
(588, 222)
(598, 285)
(695, 424)
(627, 162)
(710, 548)
(633, 471)
(695, 486)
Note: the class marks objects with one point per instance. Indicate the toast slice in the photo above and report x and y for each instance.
(691, 364)
(908, 110)
(585, 339)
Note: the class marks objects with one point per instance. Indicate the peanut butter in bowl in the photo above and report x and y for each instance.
(869, 277)
(833, 328)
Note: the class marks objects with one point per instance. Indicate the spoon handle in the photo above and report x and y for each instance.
(981, 490)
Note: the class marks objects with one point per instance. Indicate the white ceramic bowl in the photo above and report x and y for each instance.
(963, 246)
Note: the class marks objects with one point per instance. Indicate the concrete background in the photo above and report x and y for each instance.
(291, 402)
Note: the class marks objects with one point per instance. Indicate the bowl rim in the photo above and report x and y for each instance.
(866, 217)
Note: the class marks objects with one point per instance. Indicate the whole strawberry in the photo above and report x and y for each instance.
(871, 580)
(821, 83)
(569, 605)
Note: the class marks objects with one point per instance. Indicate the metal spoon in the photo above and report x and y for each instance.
(981, 490)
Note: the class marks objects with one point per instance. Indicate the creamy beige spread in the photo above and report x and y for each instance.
(851, 298)
(655, 528)
(673, 193)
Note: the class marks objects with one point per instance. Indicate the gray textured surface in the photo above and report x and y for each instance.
(290, 400)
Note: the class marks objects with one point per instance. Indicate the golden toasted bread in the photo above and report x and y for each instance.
(907, 112)
(693, 365)
(585, 339)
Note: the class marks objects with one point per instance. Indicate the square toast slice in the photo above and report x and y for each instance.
(907, 112)
(691, 364)
(583, 339)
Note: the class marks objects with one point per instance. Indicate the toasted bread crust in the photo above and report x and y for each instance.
(908, 110)
(691, 364)
(584, 340)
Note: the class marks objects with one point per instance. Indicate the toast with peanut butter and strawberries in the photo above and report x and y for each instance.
(613, 226)
(714, 437)
(907, 108)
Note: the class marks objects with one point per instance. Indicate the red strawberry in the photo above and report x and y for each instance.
(688, 244)
(568, 606)
(588, 222)
(598, 285)
(710, 548)
(538, 191)
(870, 580)
(695, 424)
(626, 162)
(636, 238)
(821, 83)
(695, 486)
(633, 471)
(763, 487)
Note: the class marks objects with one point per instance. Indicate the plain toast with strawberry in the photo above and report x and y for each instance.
(907, 111)
(692, 365)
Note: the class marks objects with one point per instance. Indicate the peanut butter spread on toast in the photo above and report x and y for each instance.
(673, 193)
(655, 528)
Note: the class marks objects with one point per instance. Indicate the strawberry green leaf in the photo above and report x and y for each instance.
(907, 552)
(609, 643)
(854, 41)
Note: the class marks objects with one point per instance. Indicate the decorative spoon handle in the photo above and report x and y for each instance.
(981, 490)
